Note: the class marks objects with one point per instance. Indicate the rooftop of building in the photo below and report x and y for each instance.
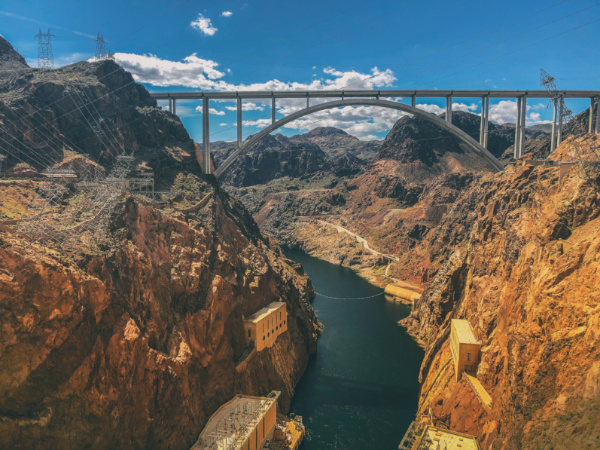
(464, 332)
(448, 439)
(264, 312)
(234, 422)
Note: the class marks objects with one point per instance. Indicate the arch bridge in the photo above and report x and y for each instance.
(381, 98)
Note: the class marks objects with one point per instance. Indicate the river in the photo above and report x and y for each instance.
(360, 390)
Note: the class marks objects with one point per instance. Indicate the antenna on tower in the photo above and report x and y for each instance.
(100, 48)
(45, 55)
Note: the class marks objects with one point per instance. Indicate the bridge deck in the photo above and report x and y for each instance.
(386, 93)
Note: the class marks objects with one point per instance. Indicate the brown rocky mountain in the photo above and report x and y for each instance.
(92, 108)
(135, 341)
(517, 257)
(319, 153)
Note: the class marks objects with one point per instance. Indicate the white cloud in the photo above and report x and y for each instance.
(212, 111)
(430, 108)
(205, 25)
(505, 111)
(227, 14)
(464, 108)
(261, 123)
(191, 72)
(248, 106)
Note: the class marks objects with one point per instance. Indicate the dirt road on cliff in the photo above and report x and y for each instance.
(362, 240)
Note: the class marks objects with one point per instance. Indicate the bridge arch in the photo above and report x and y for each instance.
(360, 102)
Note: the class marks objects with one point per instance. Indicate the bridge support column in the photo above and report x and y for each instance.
(560, 121)
(597, 115)
(205, 137)
(239, 121)
(174, 111)
(518, 128)
(591, 121)
(523, 126)
(553, 136)
(485, 109)
(273, 110)
(449, 109)
(487, 122)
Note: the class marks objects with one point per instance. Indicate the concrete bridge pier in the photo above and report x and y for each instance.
(205, 137)
(561, 108)
(594, 127)
(239, 122)
(597, 115)
(518, 128)
(523, 126)
(485, 118)
(553, 136)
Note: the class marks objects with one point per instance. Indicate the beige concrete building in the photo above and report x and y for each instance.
(465, 347)
(243, 423)
(264, 326)
(434, 438)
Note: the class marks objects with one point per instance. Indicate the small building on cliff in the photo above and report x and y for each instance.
(465, 347)
(264, 326)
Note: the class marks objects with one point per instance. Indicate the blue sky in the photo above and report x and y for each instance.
(195, 45)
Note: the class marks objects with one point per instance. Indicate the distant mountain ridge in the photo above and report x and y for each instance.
(321, 151)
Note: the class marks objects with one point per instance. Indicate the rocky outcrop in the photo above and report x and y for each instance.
(413, 139)
(273, 157)
(10, 58)
(87, 108)
(136, 346)
(309, 156)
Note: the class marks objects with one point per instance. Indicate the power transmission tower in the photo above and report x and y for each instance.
(586, 150)
(100, 48)
(45, 55)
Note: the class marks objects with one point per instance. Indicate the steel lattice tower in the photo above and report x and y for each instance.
(45, 55)
(100, 47)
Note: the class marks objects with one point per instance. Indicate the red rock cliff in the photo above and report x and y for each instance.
(527, 277)
(136, 347)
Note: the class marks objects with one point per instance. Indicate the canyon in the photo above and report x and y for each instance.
(515, 253)
(137, 339)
